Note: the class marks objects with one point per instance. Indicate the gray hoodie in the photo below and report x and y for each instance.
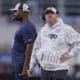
(51, 43)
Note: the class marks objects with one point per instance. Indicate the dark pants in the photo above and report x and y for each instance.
(54, 75)
(18, 70)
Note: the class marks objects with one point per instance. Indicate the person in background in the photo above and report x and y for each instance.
(23, 41)
(54, 47)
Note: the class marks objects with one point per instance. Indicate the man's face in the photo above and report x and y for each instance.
(51, 17)
(18, 15)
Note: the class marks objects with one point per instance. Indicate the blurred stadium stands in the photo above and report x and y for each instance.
(69, 10)
(6, 68)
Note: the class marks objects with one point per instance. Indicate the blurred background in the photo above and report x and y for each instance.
(69, 10)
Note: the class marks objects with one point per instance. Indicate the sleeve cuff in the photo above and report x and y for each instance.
(71, 53)
(32, 65)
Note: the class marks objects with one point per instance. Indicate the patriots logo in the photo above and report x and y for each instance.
(51, 36)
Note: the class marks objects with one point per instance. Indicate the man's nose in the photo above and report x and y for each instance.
(49, 16)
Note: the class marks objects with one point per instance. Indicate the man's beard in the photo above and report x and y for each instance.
(16, 18)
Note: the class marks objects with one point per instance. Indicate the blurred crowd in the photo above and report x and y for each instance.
(7, 71)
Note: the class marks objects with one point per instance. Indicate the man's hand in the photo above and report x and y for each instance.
(24, 73)
(64, 57)
(30, 72)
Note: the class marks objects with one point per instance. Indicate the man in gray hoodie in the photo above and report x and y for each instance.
(54, 47)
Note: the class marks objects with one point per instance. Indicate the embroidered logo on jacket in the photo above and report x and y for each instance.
(51, 36)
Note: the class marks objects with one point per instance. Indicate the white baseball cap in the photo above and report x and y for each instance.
(21, 6)
(52, 9)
